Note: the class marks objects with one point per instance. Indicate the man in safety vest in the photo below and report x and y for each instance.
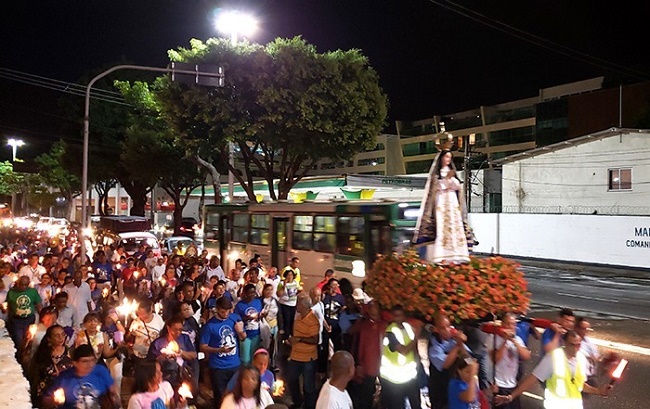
(398, 371)
(565, 371)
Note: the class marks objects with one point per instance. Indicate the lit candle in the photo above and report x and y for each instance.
(5, 306)
(32, 330)
(105, 292)
(163, 282)
(158, 307)
(170, 349)
(278, 387)
(616, 375)
(59, 396)
(185, 391)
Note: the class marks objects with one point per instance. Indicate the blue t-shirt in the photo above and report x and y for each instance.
(184, 343)
(547, 337)
(267, 380)
(219, 333)
(103, 272)
(243, 308)
(455, 388)
(82, 392)
(523, 331)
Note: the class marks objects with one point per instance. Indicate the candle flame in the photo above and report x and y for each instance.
(278, 387)
(105, 292)
(171, 349)
(59, 396)
(32, 330)
(185, 392)
(619, 369)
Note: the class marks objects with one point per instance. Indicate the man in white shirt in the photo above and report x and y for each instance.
(79, 296)
(158, 271)
(33, 270)
(214, 269)
(333, 394)
(506, 351)
(273, 278)
(588, 348)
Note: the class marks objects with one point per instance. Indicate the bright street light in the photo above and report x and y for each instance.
(14, 143)
(234, 23)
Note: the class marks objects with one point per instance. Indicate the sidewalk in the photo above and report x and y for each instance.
(594, 269)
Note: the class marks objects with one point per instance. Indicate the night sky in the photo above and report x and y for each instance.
(431, 60)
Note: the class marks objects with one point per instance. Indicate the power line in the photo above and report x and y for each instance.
(540, 41)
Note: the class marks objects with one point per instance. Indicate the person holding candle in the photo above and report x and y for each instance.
(564, 370)
(84, 385)
(219, 341)
(248, 392)
(45, 289)
(150, 391)
(144, 330)
(23, 303)
(174, 351)
(51, 358)
(249, 309)
(91, 335)
(114, 351)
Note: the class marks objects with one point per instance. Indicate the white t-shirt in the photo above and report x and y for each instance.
(159, 399)
(217, 271)
(145, 336)
(274, 282)
(332, 398)
(246, 403)
(319, 312)
(158, 271)
(505, 372)
(79, 297)
(34, 274)
(590, 350)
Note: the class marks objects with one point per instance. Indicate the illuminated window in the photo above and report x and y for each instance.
(620, 179)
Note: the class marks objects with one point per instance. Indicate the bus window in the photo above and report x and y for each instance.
(324, 233)
(259, 229)
(302, 232)
(349, 235)
(240, 228)
(211, 228)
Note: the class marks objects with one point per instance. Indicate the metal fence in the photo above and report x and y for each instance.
(617, 210)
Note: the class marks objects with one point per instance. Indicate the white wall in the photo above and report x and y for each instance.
(578, 176)
(582, 238)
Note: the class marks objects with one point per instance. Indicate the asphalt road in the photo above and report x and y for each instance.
(598, 294)
(618, 307)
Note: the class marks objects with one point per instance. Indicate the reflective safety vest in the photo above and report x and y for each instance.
(564, 390)
(395, 367)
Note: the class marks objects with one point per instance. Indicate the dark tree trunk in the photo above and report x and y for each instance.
(138, 193)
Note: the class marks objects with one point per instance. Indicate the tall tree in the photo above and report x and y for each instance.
(150, 153)
(55, 169)
(284, 106)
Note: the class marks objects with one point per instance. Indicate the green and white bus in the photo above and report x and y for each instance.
(335, 234)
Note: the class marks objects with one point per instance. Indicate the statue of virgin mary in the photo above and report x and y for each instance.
(441, 226)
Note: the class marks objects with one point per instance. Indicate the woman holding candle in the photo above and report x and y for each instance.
(51, 358)
(91, 335)
(174, 351)
(45, 289)
(248, 392)
(150, 391)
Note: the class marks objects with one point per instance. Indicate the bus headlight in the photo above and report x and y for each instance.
(358, 268)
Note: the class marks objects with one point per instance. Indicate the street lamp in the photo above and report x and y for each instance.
(14, 143)
(234, 23)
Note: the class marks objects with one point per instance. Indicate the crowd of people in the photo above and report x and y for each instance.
(147, 332)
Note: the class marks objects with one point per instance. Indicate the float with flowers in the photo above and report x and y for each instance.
(470, 291)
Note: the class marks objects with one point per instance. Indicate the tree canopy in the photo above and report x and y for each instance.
(284, 107)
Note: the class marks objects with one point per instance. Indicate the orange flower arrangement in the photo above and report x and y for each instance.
(464, 291)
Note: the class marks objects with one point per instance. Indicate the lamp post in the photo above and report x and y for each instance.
(14, 143)
(234, 23)
(196, 73)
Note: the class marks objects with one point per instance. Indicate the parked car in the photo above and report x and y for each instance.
(170, 243)
(130, 240)
(188, 225)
